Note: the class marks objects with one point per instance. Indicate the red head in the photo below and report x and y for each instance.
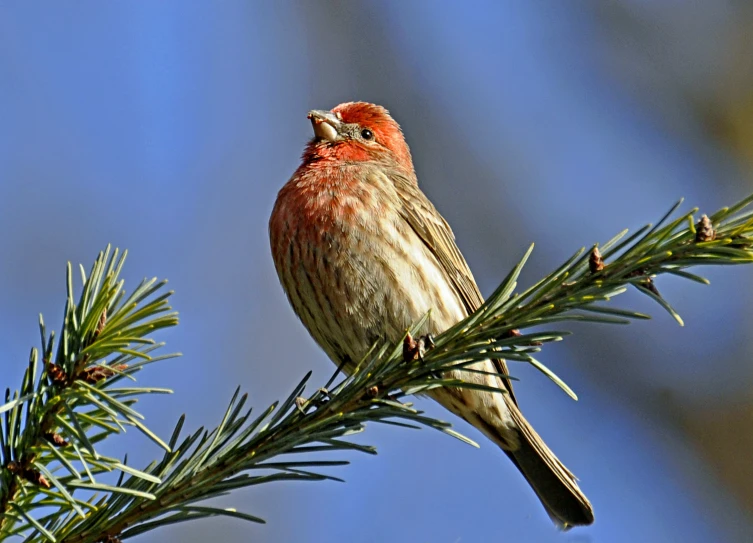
(357, 131)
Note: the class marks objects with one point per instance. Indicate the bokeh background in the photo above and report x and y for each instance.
(168, 127)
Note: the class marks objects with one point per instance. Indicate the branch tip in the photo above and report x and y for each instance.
(704, 230)
(595, 262)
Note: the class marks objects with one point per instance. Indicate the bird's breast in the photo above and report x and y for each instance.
(354, 269)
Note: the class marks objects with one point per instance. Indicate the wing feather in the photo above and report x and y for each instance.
(436, 233)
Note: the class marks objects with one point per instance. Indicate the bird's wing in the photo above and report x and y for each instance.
(431, 227)
(555, 485)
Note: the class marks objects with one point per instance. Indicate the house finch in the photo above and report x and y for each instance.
(362, 254)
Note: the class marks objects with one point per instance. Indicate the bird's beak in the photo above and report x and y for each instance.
(326, 125)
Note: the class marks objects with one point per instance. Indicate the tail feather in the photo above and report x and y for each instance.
(554, 484)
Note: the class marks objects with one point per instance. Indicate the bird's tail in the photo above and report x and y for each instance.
(554, 484)
(500, 419)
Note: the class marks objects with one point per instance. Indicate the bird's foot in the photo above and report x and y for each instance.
(414, 349)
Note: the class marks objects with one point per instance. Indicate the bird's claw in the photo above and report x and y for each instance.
(414, 349)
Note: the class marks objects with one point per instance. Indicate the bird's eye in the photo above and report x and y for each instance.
(367, 134)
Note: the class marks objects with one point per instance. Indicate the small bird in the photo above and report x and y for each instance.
(362, 254)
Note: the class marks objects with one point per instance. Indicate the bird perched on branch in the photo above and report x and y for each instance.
(362, 254)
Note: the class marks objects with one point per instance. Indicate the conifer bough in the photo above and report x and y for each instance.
(79, 388)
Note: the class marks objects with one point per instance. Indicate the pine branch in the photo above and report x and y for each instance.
(581, 287)
(69, 402)
(286, 441)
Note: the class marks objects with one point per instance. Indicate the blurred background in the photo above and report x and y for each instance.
(168, 127)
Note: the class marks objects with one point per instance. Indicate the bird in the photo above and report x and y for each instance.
(362, 254)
